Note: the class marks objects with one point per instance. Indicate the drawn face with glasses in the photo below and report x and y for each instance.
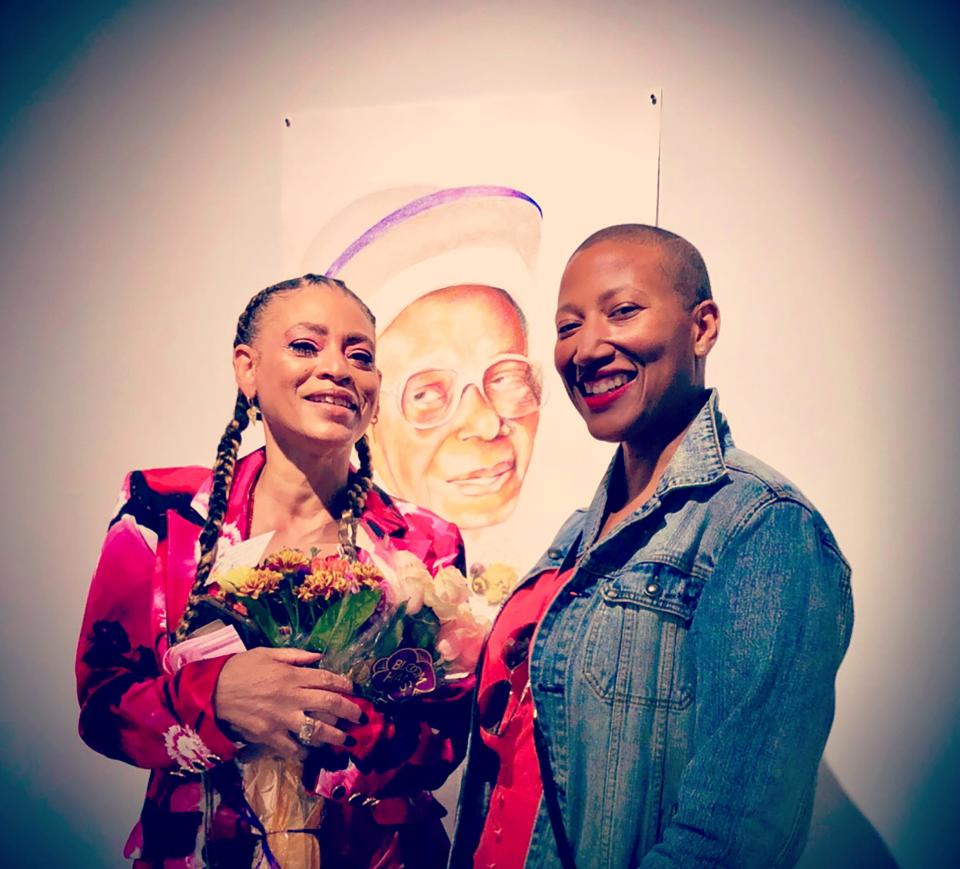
(460, 404)
(511, 384)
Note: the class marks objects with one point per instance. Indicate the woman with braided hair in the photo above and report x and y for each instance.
(304, 361)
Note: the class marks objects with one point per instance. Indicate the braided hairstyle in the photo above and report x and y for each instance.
(351, 499)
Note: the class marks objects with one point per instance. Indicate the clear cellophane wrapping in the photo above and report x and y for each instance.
(272, 788)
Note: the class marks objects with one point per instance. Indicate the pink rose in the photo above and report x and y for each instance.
(460, 640)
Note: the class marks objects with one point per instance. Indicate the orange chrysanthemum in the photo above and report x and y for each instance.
(319, 583)
(261, 581)
(286, 561)
(336, 576)
(367, 575)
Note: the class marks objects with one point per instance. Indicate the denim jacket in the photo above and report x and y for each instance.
(683, 679)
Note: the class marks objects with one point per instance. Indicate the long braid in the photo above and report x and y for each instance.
(355, 497)
(227, 449)
(223, 468)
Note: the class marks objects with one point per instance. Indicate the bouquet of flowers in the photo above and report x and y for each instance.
(395, 638)
(396, 631)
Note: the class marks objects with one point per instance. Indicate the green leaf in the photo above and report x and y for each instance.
(355, 609)
(293, 614)
(421, 633)
(249, 629)
(259, 612)
(339, 622)
(392, 635)
(317, 639)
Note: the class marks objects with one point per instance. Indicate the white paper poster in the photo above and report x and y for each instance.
(453, 221)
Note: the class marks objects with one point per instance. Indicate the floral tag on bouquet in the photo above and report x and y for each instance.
(404, 673)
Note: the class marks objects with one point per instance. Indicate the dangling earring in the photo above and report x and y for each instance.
(253, 411)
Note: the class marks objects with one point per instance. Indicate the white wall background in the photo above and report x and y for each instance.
(803, 151)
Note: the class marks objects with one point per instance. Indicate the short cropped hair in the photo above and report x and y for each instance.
(690, 278)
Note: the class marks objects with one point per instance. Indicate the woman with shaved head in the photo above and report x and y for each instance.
(658, 690)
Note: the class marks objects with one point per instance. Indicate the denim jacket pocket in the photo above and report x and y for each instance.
(636, 648)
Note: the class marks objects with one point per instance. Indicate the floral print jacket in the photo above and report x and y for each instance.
(133, 711)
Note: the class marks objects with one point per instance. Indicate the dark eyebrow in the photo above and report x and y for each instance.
(358, 338)
(323, 331)
(601, 298)
(310, 327)
(606, 295)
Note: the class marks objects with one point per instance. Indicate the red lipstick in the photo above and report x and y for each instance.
(604, 399)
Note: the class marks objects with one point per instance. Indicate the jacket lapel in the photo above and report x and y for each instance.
(181, 566)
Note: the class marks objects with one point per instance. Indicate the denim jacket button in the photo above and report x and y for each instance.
(653, 589)
(553, 552)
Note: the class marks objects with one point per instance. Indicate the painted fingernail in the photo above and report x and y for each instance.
(350, 741)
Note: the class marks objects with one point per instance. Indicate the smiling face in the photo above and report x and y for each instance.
(459, 412)
(312, 369)
(630, 348)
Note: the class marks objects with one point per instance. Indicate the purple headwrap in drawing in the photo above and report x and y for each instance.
(394, 245)
(418, 206)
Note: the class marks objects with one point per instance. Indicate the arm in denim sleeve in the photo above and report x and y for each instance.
(769, 633)
(129, 709)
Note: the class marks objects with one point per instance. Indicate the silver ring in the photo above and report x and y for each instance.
(307, 729)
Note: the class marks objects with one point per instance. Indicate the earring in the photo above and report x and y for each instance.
(253, 411)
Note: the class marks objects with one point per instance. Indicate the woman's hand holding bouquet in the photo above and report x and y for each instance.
(351, 641)
(396, 631)
(262, 694)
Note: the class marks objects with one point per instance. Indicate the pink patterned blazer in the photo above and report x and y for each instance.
(131, 710)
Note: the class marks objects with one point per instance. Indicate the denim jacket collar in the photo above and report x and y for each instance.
(698, 461)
